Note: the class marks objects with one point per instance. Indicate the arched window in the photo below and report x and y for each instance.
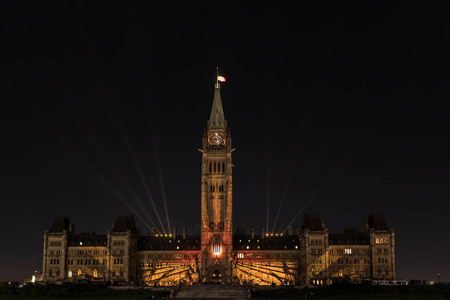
(79, 272)
(387, 272)
(50, 273)
(210, 167)
(223, 167)
(57, 273)
(215, 164)
(95, 274)
(217, 248)
(70, 274)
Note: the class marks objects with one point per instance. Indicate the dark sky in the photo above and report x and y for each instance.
(339, 108)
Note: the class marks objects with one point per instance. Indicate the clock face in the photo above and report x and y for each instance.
(216, 140)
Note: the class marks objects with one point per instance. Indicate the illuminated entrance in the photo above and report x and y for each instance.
(216, 277)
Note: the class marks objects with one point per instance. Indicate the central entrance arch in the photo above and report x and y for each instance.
(216, 274)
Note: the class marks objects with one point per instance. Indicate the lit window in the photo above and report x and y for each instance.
(248, 247)
(81, 243)
(348, 251)
(217, 249)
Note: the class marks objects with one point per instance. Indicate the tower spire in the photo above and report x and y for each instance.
(217, 118)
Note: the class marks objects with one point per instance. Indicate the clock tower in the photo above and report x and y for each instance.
(217, 195)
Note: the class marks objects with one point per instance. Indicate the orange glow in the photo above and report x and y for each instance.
(221, 78)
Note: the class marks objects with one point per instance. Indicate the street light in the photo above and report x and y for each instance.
(410, 277)
(439, 278)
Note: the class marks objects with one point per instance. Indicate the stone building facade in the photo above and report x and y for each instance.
(311, 255)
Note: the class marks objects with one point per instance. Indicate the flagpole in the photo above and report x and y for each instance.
(217, 78)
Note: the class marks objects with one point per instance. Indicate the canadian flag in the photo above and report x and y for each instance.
(221, 78)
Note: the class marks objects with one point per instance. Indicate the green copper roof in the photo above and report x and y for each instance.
(217, 118)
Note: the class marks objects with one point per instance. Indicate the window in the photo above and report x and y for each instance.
(217, 249)
(348, 251)
(69, 274)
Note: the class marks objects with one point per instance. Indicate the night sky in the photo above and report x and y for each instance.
(337, 109)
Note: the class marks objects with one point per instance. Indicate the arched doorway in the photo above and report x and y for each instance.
(216, 277)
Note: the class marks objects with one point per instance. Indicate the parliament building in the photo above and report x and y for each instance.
(308, 255)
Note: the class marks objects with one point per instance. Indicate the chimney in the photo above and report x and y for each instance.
(184, 233)
(263, 234)
(174, 232)
(253, 233)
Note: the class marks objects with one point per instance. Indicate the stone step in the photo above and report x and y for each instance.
(212, 291)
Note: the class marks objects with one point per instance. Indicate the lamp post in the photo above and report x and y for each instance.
(410, 277)
(439, 278)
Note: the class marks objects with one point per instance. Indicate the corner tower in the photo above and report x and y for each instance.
(217, 195)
